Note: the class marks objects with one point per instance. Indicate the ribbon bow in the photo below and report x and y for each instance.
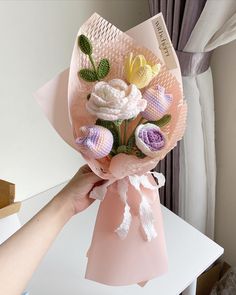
(145, 210)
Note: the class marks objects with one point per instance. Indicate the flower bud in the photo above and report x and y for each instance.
(95, 141)
(158, 103)
(138, 71)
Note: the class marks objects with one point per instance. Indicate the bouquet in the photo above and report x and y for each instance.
(126, 112)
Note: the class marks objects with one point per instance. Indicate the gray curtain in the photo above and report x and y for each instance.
(180, 16)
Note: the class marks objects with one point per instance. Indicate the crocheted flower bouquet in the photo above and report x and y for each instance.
(126, 111)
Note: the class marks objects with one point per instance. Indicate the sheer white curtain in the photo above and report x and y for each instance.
(216, 26)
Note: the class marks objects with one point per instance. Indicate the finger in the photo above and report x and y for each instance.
(100, 182)
(91, 177)
(84, 169)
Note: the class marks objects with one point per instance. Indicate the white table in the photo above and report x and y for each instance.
(62, 270)
(8, 226)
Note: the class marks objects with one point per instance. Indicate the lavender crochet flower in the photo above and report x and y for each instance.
(95, 141)
(158, 102)
(149, 139)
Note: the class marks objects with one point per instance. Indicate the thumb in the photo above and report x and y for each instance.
(92, 178)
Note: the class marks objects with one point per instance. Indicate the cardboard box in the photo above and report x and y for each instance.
(10, 209)
(208, 279)
(7, 193)
(7, 196)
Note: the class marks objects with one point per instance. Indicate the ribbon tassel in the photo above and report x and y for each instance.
(147, 219)
(145, 210)
(123, 229)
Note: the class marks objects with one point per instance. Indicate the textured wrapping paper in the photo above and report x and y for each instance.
(129, 199)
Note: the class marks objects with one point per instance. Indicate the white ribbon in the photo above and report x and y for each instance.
(145, 210)
(123, 229)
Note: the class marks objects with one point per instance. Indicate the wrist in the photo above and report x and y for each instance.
(64, 206)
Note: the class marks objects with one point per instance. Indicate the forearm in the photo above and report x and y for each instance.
(20, 254)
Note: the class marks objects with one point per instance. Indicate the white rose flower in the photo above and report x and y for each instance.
(115, 100)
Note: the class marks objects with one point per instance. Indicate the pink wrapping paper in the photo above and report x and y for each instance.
(111, 260)
(117, 262)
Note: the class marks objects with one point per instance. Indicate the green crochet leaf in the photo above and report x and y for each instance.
(140, 154)
(131, 141)
(88, 75)
(85, 45)
(117, 122)
(162, 122)
(123, 149)
(103, 68)
(107, 124)
(133, 148)
(112, 127)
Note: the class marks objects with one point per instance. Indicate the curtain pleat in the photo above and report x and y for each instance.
(176, 15)
(163, 7)
(169, 17)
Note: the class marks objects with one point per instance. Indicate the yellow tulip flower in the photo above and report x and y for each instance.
(138, 72)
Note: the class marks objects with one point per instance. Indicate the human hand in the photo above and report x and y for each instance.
(76, 192)
(34, 238)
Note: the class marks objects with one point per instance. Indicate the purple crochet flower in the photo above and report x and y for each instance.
(158, 103)
(95, 141)
(149, 139)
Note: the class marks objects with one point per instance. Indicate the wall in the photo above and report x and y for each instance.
(37, 38)
(224, 75)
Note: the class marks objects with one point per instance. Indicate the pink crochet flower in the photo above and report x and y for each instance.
(115, 100)
(95, 142)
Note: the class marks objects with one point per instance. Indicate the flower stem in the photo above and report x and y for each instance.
(125, 131)
(139, 122)
(119, 134)
(93, 65)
